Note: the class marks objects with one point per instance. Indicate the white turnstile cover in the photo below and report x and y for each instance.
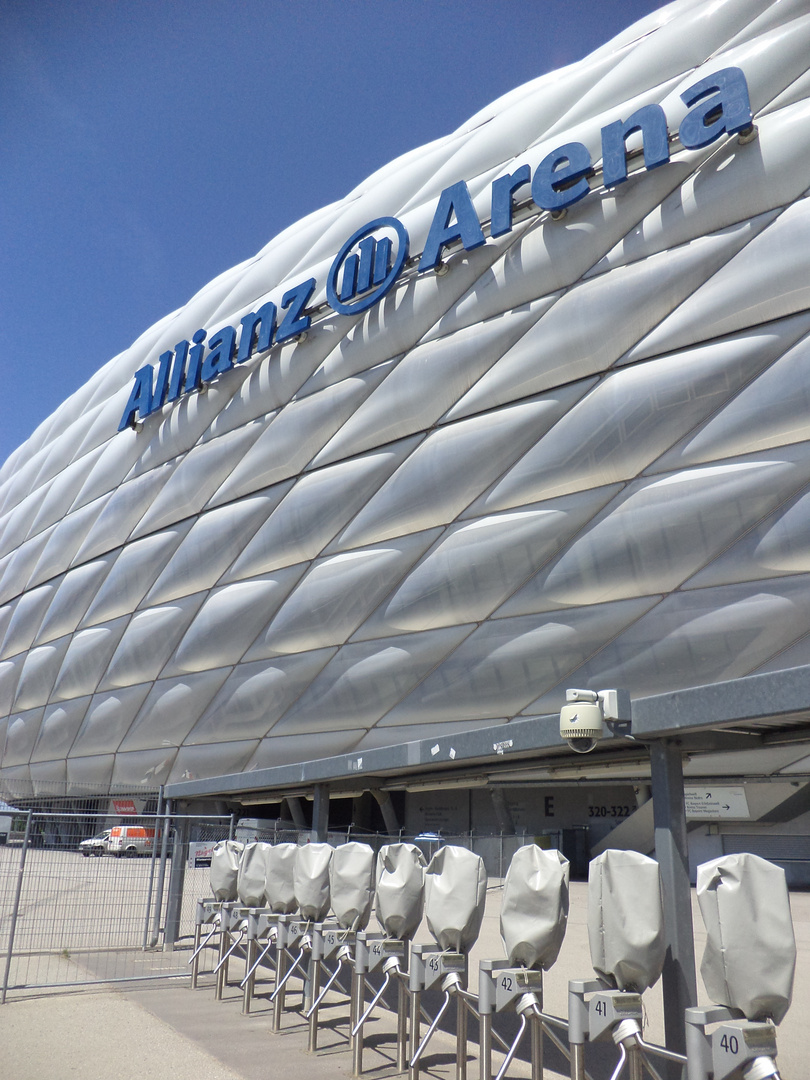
(311, 880)
(225, 869)
(351, 881)
(252, 877)
(626, 919)
(279, 889)
(455, 892)
(400, 889)
(534, 909)
(750, 952)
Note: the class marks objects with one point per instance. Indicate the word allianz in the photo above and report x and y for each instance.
(717, 105)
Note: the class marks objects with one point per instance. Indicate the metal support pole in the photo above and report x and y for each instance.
(402, 1026)
(320, 813)
(280, 991)
(177, 878)
(536, 1035)
(669, 813)
(577, 1061)
(250, 960)
(635, 1066)
(164, 856)
(416, 1033)
(222, 965)
(359, 988)
(15, 910)
(315, 988)
(485, 1047)
(461, 1038)
(195, 963)
(153, 860)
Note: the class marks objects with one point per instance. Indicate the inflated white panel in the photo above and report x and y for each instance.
(171, 708)
(594, 323)
(466, 456)
(148, 642)
(770, 412)
(779, 545)
(26, 618)
(506, 663)
(107, 720)
(72, 595)
(46, 775)
(123, 510)
(364, 680)
(213, 542)
(704, 635)
(60, 725)
(21, 735)
(39, 673)
(609, 436)
(85, 775)
(757, 285)
(9, 674)
(337, 594)
(87, 658)
(64, 540)
(287, 749)
(295, 436)
(735, 184)
(659, 532)
(315, 509)
(475, 566)
(245, 608)
(427, 382)
(197, 477)
(255, 696)
(142, 769)
(133, 573)
(224, 756)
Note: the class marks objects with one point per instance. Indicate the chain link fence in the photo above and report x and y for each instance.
(73, 914)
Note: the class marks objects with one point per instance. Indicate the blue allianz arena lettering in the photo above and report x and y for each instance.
(717, 105)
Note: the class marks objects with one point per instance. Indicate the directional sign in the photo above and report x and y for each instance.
(712, 803)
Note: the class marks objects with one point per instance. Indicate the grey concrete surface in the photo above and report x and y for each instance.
(165, 1030)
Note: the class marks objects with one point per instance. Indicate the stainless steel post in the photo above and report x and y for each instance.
(577, 1060)
(485, 1047)
(250, 959)
(315, 987)
(359, 1002)
(222, 974)
(635, 1067)
(195, 963)
(536, 1035)
(280, 991)
(461, 1038)
(402, 1026)
(416, 1033)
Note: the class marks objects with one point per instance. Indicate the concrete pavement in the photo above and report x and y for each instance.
(165, 1030)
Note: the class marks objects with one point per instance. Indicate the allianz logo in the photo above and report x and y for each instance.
(377, 255)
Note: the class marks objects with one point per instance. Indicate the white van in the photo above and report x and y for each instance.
(131, 840)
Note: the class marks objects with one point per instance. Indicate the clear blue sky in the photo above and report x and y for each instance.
(148, 145)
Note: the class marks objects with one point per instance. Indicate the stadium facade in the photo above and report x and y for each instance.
(526, 410)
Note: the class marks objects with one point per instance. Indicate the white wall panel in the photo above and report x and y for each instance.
(578, 454)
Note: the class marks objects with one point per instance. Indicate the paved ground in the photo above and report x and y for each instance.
(167, 1031)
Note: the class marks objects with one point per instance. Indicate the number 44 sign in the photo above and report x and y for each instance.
(714, 803)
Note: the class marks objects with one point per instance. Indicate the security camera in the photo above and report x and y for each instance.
(582, 720)
(581, 723)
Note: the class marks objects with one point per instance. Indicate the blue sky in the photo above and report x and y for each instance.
(147, 146)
